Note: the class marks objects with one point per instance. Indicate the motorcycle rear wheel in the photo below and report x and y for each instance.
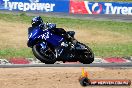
(43, 58)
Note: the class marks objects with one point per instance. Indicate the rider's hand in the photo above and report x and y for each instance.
(42, 26)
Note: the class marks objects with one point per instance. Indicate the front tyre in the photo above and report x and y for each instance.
(87, 55)
(48, 57)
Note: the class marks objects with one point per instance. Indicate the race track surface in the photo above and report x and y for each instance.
(129, 64)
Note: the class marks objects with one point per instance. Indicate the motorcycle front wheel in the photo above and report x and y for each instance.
(47, 57)
(87, 56)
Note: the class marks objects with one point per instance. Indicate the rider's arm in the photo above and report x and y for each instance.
(30, 29)
(51, 25)
(53, 28)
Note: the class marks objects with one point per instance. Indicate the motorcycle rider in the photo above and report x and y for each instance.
(38, 21)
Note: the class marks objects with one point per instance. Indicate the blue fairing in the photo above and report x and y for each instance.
(47, 35)
(55, 40)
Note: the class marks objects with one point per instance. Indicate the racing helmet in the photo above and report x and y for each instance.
(36, 21)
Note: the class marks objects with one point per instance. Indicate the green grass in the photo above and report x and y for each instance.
(101, 49)
(12, 53)
(71, 23)
(112, 50)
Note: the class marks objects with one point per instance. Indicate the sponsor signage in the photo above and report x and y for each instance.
(35, 5)
(85, 81)
(68, 6)
(86, 7)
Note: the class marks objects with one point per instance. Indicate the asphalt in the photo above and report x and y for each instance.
(128, 65)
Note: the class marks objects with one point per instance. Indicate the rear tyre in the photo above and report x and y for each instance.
(47, 58)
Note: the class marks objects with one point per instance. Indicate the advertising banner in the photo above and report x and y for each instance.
(86, 7)
(75, 7)
(35, 5)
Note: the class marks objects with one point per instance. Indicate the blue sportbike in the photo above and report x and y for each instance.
(49, 47)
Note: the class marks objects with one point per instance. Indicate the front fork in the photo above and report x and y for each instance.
(43, 47)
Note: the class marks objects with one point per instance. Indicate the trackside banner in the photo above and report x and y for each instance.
(68, 6)
(86, 7)
(35, 5)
